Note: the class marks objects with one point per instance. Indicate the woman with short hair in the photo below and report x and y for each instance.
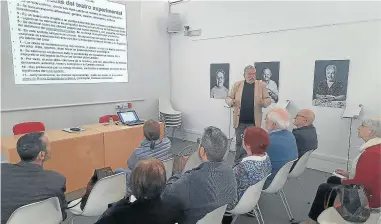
(366, 171)
(256, 165)
(148, 180)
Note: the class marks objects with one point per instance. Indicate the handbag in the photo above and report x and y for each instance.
(353, 202)
(98, 174)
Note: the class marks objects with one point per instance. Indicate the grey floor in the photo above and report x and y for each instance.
(271, 205)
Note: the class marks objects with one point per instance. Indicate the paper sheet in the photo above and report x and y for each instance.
(352, 111)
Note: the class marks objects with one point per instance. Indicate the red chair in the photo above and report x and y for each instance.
(104, 119)
(28, 127)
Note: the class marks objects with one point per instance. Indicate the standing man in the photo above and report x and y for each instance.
(271, 86)
(247, 97)
(219, 91)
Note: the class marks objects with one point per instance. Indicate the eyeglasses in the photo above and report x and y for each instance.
(298, 115)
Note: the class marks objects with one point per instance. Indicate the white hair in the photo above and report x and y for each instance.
(374, 125)
(280, 117)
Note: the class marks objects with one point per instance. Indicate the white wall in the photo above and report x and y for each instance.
(294, 33)
(148, 67)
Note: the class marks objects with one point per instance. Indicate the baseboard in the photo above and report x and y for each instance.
(318, 161)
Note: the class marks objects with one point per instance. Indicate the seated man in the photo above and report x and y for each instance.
(305, 132)
(282, 147)
(209, 186)
(27, 182)
(151, 147)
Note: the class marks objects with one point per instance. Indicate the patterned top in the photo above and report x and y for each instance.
(250, 171)
(336, 89)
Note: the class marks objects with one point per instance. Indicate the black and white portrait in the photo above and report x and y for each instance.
(330, 83)
(268, 72)
(219, 80)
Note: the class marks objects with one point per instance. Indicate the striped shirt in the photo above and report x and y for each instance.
(160, 152)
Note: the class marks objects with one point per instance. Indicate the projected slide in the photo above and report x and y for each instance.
(65, 41)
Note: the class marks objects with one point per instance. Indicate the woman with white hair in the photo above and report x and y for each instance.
(366, 171)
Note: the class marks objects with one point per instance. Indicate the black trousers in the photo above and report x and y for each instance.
(322, 195)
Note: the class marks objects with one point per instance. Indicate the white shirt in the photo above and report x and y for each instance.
(219, 93)
(271, 85)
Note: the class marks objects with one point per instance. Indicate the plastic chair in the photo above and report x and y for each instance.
(331, 216)
(43, 212)
(105, 118)
(28, 127)
(106, 191)
(299, 168)
(168, 164)
(214, 217)
(193, 162)
(277, 184)
(249, 202)
(170, 117)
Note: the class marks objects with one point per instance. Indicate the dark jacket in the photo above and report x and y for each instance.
(201, 190)
(25, 183)
(306, 139)
(154, 211)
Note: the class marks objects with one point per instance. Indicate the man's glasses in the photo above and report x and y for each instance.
(298, 115)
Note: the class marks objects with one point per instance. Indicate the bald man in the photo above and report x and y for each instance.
(305, 132)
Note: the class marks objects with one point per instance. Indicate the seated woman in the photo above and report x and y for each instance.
(254, 167)
(147, 182)
(151, 147)
(365, 171)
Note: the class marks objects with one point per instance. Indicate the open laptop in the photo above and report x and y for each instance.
(129, 118)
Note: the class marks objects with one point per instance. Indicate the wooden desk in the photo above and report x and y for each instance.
(120, 142)
(77, 155)
(74, 155)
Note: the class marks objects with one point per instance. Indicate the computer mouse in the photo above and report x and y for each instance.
(75, 129)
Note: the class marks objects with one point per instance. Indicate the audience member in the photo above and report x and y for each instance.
(366, 171)
(27, 182)
(151, 147)
(256, 165)
(207, 187)
(248, 97)
(147, 182)
(305, 132)
(282, 147)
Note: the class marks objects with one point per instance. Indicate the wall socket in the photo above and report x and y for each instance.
(122, 106)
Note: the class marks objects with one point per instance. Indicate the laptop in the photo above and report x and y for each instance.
(129, 118)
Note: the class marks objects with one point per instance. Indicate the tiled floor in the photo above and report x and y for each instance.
(271, 205)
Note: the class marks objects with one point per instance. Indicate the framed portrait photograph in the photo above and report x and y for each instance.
(219, 80)
(330, 83)
(268, 72)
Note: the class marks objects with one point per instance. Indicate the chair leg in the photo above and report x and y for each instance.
(235, 217)
(173, 132)
(301, 186)
(256, 215)
(286, 205)
(260, 214)
(183, 131)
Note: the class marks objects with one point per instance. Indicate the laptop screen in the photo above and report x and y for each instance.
(127, 117)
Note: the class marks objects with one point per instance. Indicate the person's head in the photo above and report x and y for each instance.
(330, 72)
(266, 74)
(250, 74)
(151, 131)
(277, 119)
(255, 141)
(369, 129)
(304, 118)
(220, 78)
(34, 148)
(213, 145)
(148, 179)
